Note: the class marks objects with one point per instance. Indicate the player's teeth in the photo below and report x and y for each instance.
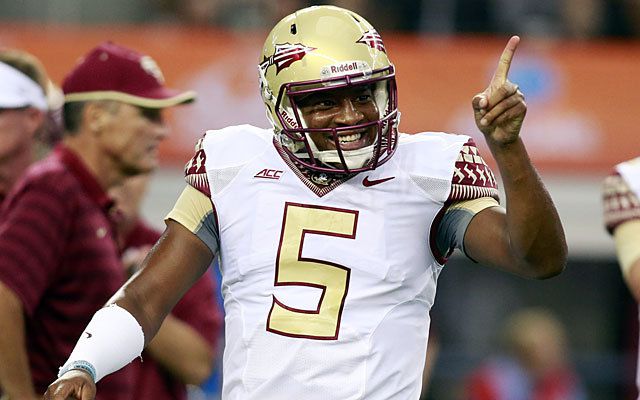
(350, 138)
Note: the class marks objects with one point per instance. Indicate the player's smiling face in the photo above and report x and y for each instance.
(341, 108)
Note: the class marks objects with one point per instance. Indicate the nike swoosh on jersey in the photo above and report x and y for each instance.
(367, 183)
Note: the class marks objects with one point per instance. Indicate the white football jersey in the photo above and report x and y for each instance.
(630, 172)
(327, 291)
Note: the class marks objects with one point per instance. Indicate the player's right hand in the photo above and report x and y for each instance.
(500, 109)
(74, 385)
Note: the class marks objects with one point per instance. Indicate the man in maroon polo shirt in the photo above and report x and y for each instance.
(59, 262)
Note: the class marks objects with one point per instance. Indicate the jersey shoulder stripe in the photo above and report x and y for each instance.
(620, 202)
(472, 177)
(223, 150)
(195, 172)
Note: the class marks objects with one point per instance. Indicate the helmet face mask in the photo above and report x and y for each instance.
(322, 50)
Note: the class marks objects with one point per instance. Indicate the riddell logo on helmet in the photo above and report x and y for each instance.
(344, 68)
(285, 55)
(288, 119)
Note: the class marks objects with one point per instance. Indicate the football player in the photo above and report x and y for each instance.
(331, 228)
(621, 201)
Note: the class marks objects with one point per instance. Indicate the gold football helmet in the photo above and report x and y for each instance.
(325, 48)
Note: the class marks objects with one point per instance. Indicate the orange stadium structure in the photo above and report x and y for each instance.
(583, 96)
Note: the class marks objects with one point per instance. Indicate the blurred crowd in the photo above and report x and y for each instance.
(580, 19)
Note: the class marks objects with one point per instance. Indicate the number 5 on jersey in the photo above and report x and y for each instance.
(294, 270)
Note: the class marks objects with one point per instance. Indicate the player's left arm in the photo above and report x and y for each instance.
(527, 238)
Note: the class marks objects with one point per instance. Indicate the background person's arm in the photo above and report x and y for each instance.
(174, 264)
(182, 351)
(171, 268)
(35, 221)
(633, 279)
(15, 374)
(627, 239)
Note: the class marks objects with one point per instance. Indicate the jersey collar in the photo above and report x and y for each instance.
(319, 183)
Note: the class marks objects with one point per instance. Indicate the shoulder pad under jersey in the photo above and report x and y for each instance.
(446, 166)
(429, 153)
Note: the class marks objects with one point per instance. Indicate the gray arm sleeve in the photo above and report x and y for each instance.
(194, 211)
(454, 223)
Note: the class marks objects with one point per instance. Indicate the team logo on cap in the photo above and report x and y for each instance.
(151, 67)
(285, 55)
(373, 40)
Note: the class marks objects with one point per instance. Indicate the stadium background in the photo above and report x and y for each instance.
(583, 96)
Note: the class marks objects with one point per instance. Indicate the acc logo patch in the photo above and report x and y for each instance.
(269, 174)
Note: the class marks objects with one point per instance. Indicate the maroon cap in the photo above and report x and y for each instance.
(113, 72)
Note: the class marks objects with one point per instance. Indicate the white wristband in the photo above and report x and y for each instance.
(112, 339)
(79, 365)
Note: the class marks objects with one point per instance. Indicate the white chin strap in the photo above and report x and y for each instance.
(353, 158)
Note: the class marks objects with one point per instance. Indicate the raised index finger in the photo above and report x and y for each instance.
(500, 76)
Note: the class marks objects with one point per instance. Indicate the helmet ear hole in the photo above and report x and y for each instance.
(293, 29)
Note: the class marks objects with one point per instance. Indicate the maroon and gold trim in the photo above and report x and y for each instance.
(301, 173)
(472, 177)
(178, 98)
(620, 203)
(195, 171)
(335, 295)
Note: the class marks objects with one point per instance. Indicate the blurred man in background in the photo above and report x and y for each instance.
(24, 114)
(182, 353)
(621, 202)
(60, 262)
(534, 363)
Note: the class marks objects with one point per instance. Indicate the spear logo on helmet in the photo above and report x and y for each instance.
(285, 55)
(373, 40)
